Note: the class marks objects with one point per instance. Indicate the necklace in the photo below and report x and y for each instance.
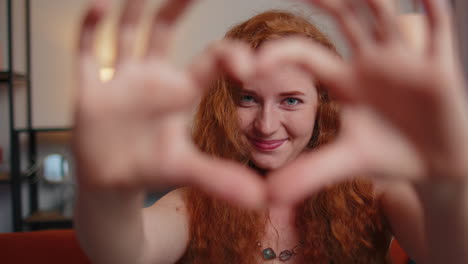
(285, 255)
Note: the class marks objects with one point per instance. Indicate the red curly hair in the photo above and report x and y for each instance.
(340, 224)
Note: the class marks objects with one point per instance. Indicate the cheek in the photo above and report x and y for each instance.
(245, 117)
(301, 126)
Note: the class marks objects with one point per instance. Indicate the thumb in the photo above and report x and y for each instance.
(225, 179)
(313, 171)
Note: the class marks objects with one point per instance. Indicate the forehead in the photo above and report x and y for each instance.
(282, 79)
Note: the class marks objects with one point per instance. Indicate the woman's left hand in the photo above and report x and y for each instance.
(405, 111)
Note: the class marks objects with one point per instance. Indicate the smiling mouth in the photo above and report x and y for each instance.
(268, 145)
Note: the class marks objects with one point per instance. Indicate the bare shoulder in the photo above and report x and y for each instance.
(174, 199)
(166, 227)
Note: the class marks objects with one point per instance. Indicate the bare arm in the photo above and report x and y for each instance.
(108, 222)
(113, 228)
(446, 221)
(424, 218)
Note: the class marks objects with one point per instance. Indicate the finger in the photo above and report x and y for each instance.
(413, 29)
(87, 62)
(311, 172)
(384, 13)
(325, 65)
(128, 29)
(225, 56)
(439, 21)
(346, 14)
(226, 179)
(163, 26)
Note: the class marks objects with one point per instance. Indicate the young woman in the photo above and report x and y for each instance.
(281, 177)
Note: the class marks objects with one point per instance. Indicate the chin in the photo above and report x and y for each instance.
(268, 165)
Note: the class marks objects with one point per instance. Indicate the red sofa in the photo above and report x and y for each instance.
(41, 247)
(61, 247)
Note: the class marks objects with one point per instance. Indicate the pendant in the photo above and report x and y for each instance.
(268, 254)
(285, 255)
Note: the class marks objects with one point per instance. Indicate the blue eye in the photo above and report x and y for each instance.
(247, 99)
(292, 101)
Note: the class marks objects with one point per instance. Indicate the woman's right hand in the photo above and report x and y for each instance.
(132, 132)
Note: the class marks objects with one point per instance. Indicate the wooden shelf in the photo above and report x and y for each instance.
(63, 137)
(46, 217)
(4, 177)
(45, 130)
(5, 76)
(54, 135)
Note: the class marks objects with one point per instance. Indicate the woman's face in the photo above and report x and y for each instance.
(277, 115)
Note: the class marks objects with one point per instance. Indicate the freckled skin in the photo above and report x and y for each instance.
(268, 110)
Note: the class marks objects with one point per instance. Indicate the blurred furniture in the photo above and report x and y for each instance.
(61, 246)
(15, 176)
(397, 254)
(11, 80)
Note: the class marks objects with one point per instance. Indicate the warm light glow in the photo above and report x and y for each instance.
(106, 74)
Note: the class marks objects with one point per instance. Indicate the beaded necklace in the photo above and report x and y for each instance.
(285, 255)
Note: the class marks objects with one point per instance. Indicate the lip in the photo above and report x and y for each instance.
(267, 145)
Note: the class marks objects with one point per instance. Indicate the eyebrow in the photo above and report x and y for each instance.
(292, 93)
(288, 93)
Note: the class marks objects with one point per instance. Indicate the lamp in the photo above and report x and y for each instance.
(54, 168)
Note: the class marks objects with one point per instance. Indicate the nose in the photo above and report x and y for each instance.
(266, 122)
